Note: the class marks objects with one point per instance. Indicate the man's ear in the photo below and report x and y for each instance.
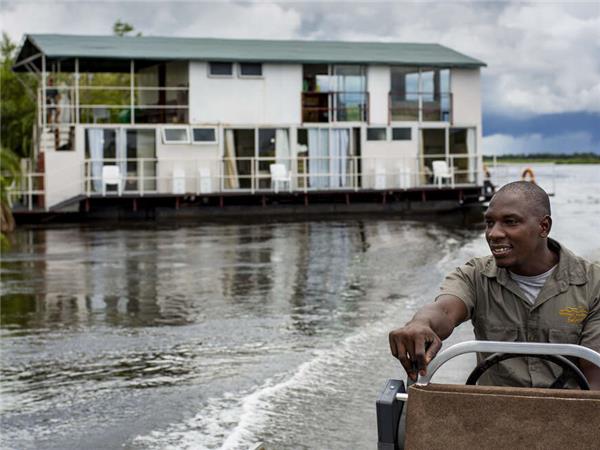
(545, 226)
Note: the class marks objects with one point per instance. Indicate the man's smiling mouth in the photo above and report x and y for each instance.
(500, 250)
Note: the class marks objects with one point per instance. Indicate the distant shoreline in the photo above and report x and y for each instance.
(575, 158)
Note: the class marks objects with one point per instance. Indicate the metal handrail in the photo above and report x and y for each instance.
(334, 109)
(419, 106)
(520, 348)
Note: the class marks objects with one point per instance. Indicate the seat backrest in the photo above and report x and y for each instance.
(484, 416)
(111, 174)
(278, 171)
(440, 168)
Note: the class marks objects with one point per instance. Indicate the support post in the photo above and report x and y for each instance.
(44, 111)
(29, 191)
(77, 90)
(132, 92)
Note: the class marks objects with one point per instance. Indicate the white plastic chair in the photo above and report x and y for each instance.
(178, 179)
(380, 177)
(441, 171)
(204, 180)
(404, 177)
(111, 175)
(280, 175)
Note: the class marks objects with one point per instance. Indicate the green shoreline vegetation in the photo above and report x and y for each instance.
(556, 158)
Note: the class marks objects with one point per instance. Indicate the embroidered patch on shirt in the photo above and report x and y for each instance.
(573, 314)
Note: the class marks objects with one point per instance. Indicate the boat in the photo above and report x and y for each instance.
(424, 415)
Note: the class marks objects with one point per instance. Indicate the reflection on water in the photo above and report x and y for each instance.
(68, 278)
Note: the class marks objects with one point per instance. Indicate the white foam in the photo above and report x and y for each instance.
(249, 413)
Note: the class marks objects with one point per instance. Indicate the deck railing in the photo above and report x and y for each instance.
(68, 105)
(420, 106)
(336, 106)
(152, 176)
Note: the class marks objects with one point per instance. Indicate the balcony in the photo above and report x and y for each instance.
(340, 106)
(67, 105)
(420, 107)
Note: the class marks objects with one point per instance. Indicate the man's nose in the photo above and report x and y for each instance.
(495, 231)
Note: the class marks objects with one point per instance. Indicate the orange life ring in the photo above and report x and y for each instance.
(528, 175)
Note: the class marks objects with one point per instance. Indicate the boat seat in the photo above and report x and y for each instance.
(442, 416)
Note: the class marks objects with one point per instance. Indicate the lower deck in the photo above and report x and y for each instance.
(422, 201)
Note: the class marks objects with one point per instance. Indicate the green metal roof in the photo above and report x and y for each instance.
(60, 47)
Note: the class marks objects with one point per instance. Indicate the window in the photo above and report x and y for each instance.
(204, 135)
(251, 69)
(174, 135)
(223, 69)
(401, 134)
(376, 134)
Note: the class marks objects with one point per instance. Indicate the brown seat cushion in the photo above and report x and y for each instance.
(484, 417)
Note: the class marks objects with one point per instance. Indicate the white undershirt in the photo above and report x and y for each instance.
(531, 286)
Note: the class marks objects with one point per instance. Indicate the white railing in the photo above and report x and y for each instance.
(68, 105)
(152, 176)
(27, 193)
(143, 176)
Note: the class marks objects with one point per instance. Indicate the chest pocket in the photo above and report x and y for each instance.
(562, 336)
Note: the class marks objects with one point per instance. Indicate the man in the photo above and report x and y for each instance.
(530, 289)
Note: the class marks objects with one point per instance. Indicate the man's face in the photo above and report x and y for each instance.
(515, 233)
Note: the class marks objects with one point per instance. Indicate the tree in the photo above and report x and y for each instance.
(17, 116)
(123, 28)
(10, 173)
(17, 106)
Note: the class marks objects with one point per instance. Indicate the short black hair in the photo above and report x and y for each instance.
(536, 197)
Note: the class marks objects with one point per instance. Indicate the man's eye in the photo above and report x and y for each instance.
(510, 221)
(489, 223)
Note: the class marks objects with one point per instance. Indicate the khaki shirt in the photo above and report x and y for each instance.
(567, 310)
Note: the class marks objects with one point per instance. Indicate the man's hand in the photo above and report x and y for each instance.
(419, 340)
(414, 345)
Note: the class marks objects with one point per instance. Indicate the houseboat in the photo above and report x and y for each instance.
(140, 123)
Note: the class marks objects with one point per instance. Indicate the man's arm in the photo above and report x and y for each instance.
(420, 339)
(592, 373)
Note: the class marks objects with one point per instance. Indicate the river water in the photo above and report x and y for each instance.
(221, 336)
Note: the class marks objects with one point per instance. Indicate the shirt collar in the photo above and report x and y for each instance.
(570, 268)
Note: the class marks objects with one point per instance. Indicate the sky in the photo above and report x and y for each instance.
(540, 89)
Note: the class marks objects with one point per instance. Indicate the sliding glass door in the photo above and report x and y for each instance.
(249, 154)
(328, 153)
(133, 151)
